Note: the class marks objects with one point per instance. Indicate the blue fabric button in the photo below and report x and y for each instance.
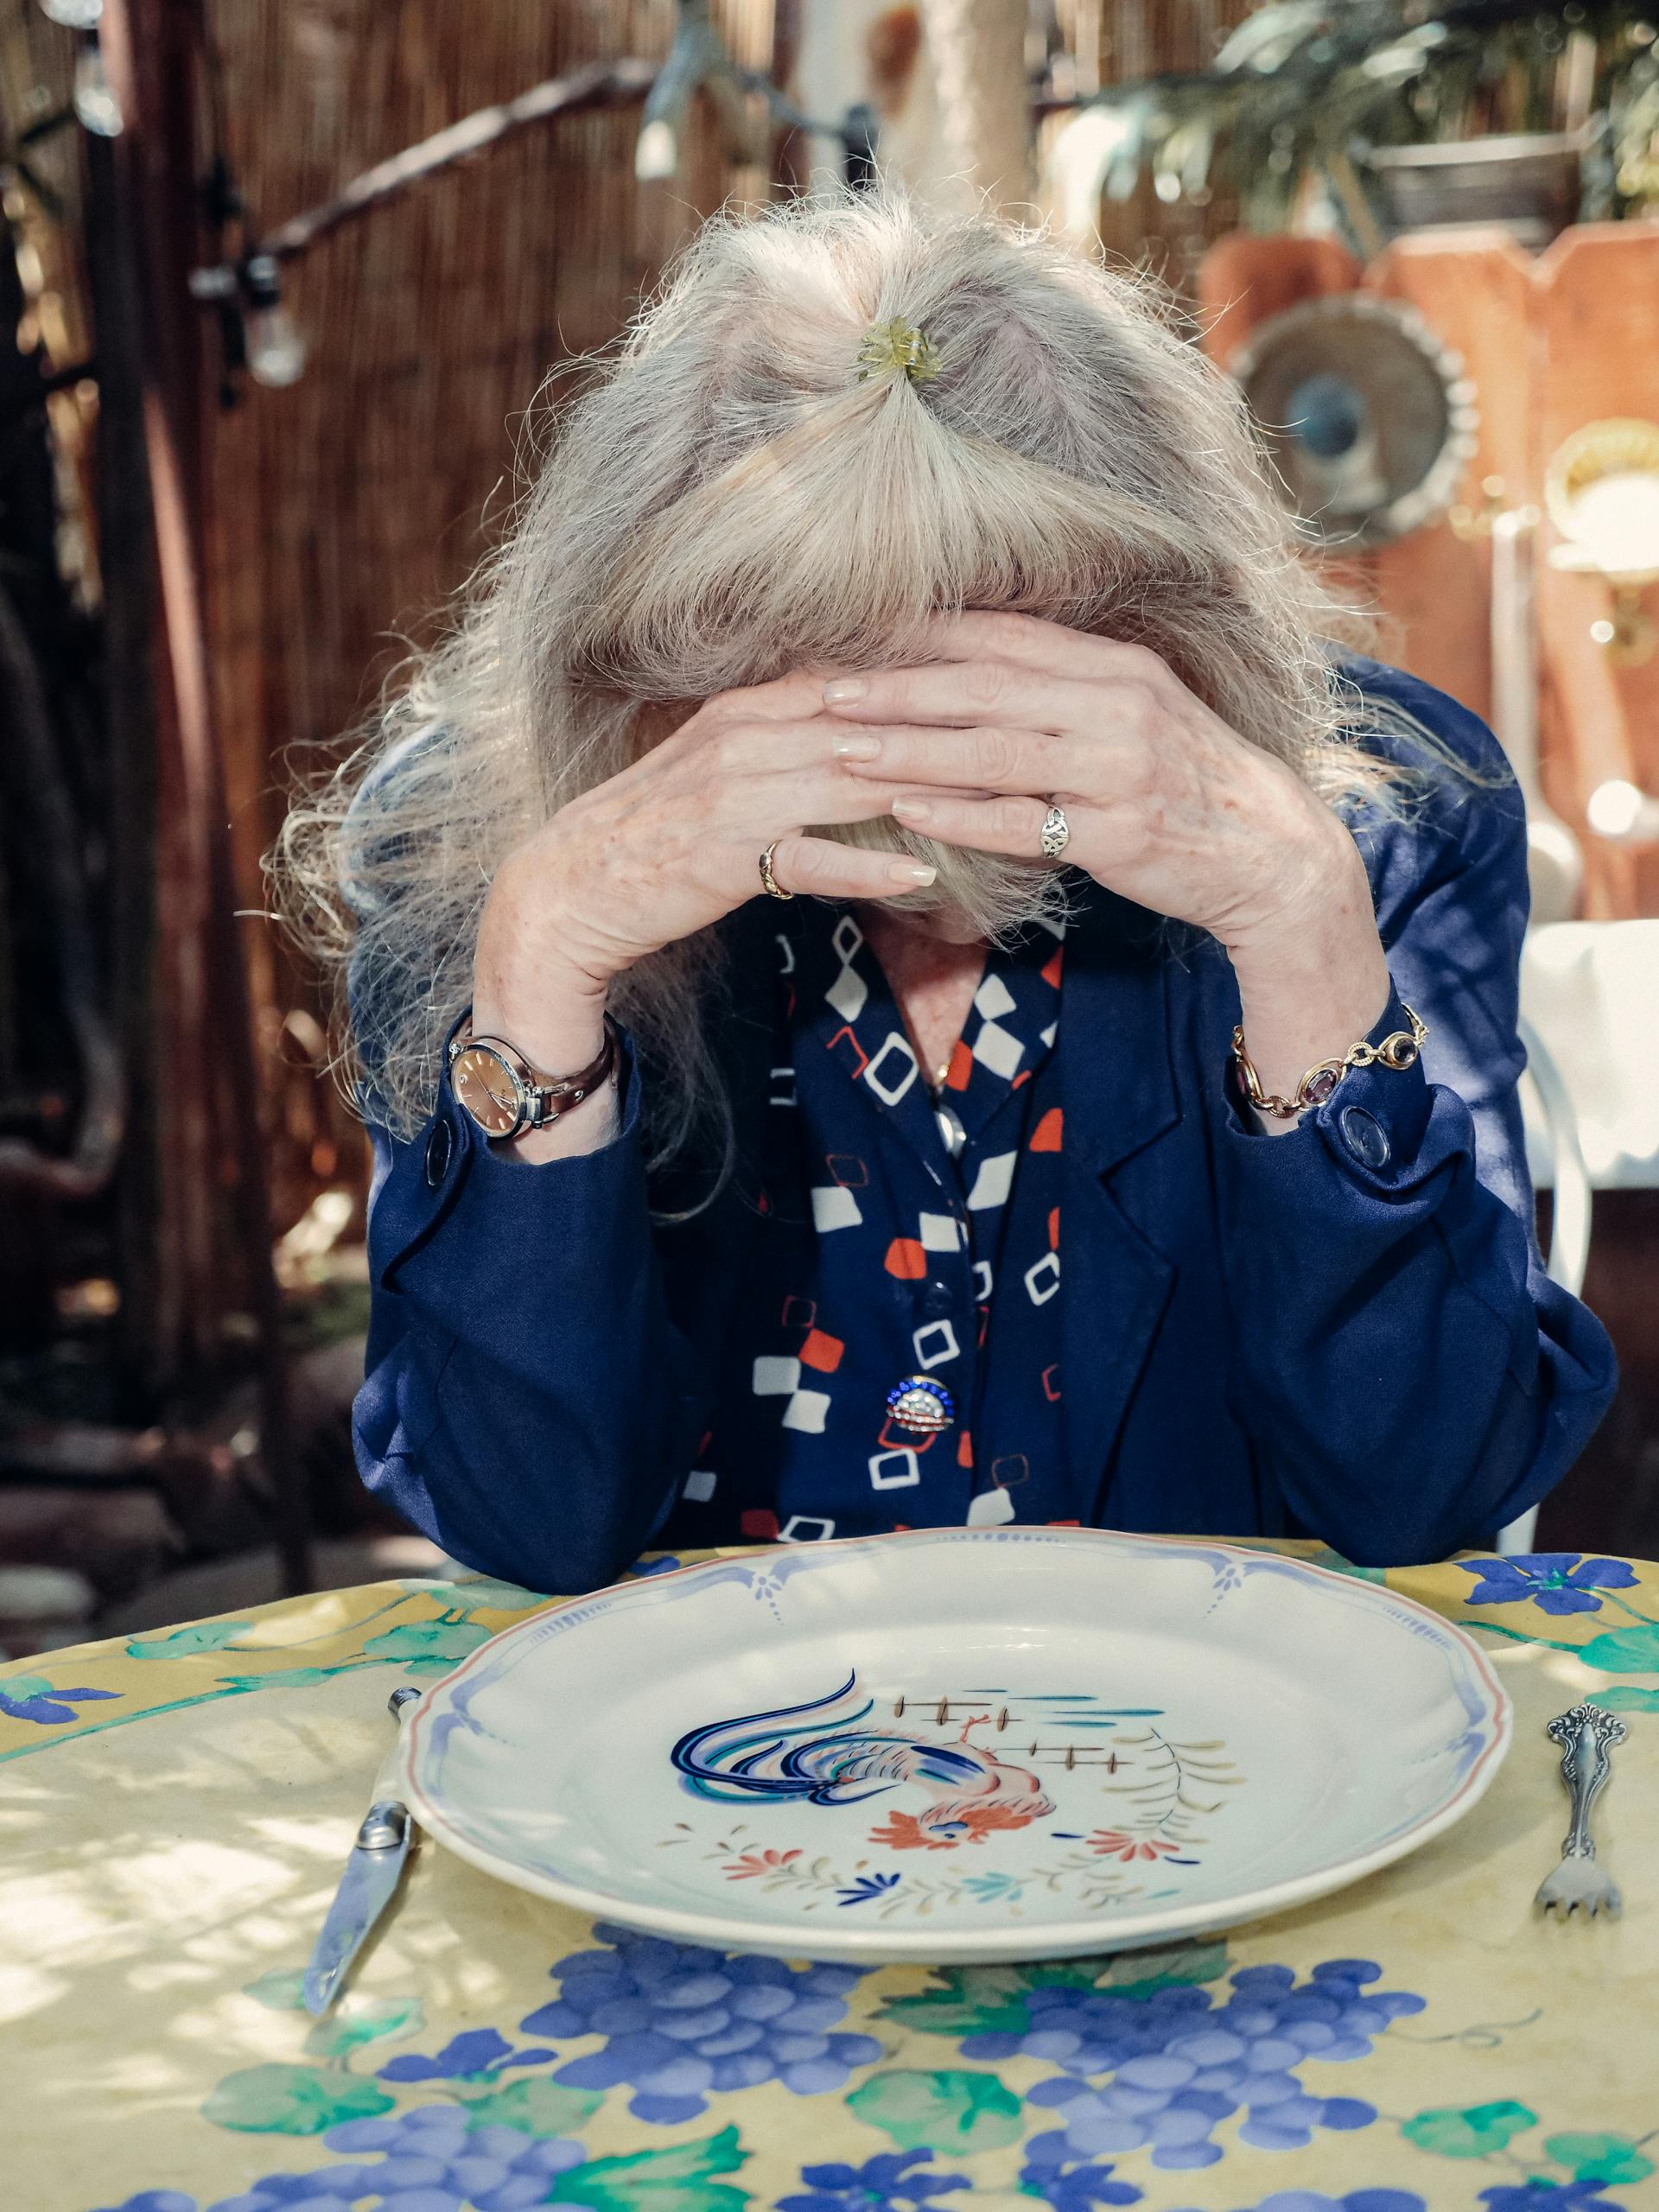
(440, 1150)
(937, 1298)
(1362, 1134)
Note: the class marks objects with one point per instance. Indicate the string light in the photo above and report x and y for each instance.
(275, 348)
(257, 332)
(95, 101)
(696, 60)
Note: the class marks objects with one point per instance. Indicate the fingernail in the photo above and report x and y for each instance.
(912, 872)
(912, 809)
(843, 689)
(858, 748)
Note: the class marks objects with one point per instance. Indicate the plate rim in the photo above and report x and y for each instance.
(876, 1944)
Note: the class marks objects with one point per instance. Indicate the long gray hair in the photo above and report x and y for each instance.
(730, 498)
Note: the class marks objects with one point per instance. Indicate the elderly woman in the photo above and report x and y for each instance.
(900, 979)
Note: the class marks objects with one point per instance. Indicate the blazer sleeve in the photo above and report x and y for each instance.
(526, 1402)
(1410, 1377)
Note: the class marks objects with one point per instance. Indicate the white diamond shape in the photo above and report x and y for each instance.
(805, 1529)
(993, 997)
(946, 1347)
(834, 1207)
(999, 1050)
(891, 1092)
(700, 1486)
(989, 1509)
(941, 1232)
(775, 1378)
(848, 994)
(909, 1469)
(993, 1181)
(806, 1410)
(1043, 1280)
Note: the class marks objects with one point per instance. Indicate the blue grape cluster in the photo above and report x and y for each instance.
(1178, 2063)
(681, 2023)
(1357, 2200)
(431, 2162)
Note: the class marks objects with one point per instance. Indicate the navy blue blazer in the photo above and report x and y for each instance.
(1344, 1332)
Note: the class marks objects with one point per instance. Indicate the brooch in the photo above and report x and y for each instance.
(921, 1405)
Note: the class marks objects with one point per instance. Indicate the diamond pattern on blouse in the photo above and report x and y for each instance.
(869, 1354)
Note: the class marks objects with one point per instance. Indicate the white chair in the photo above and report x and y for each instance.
(1558, 1165)
(1590, 1098)
(1590, 991)
(1557, 1160)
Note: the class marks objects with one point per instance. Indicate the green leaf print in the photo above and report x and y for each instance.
(484, 1594)
(1470, 2133)
(992, 2000)
(364, 2020)
(292, 2101)
(445, 1641)
(281, 1678)
(678, 2180)
(181, 1643)
(952, 2110)
(1624, 1697)
(540, 2108)
(1623, 1651)
(1143, 1973)
(1604, 2158)
(283, 1989)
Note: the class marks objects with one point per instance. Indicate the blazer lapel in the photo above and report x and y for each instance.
(1119, 1095)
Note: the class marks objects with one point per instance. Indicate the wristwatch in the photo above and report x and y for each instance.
(496, 1084)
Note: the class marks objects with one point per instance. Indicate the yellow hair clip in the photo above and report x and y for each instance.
(898, 344)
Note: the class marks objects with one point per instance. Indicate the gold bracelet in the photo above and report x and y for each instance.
(1398, 1051)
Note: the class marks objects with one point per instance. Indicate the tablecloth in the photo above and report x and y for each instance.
(176, 1808)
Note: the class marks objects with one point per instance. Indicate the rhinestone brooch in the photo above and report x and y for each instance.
(921, 1405)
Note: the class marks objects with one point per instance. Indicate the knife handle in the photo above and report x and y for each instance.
(386, 1821)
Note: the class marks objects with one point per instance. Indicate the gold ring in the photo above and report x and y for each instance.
(769, 882)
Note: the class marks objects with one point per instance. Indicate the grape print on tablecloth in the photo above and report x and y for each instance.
(1163, 2069)
(430, 2160)
(682, 2023)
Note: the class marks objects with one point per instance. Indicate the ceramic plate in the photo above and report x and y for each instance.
(958, 1743)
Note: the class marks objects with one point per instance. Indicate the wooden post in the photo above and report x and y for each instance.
(151, 48)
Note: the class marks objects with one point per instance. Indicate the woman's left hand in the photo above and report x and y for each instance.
(1166, 805)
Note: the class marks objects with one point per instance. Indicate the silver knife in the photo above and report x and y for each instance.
(372, 1875)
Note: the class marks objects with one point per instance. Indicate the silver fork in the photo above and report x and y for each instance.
(1587, 1735)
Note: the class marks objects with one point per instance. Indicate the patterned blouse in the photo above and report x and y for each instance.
(895, 1361)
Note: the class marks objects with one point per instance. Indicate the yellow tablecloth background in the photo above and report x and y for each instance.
(171, 1846)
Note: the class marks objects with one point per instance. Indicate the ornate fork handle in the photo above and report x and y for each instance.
(1588, 1734)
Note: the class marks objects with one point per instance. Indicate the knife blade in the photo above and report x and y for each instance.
(372, 1872)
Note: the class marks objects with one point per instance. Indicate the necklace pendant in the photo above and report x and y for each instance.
(921, 1405)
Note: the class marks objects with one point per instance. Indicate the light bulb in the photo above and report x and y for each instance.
(95, 101)
(74, 14)
(656, 157)
(275, 351)
(1618, 809)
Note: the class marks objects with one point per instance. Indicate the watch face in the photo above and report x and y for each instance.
(489, 1090)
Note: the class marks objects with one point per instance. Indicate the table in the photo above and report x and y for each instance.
(177, 1807)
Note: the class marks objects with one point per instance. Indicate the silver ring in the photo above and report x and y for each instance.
(1056, 832)
(773, 889)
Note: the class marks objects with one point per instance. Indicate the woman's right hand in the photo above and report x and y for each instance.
(662, 850)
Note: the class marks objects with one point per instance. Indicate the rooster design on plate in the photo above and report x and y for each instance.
(976, 1760)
